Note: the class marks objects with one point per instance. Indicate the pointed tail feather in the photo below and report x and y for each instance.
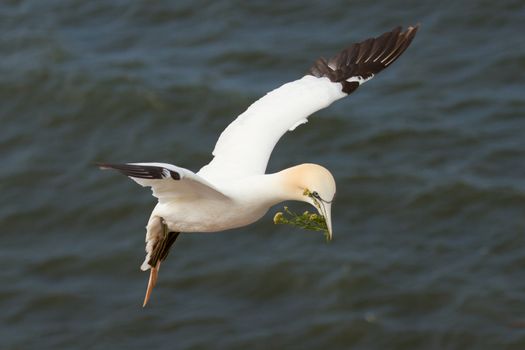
(158, 243)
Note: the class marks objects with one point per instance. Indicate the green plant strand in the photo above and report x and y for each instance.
(307, 221)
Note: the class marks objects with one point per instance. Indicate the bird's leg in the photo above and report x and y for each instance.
(159, 252)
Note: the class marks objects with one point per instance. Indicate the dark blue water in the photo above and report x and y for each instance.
(429, 247)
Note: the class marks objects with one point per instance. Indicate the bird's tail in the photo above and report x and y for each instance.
(158, 243)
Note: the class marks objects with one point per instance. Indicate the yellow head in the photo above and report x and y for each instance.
(314, 184)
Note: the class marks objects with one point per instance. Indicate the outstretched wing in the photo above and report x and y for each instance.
(245, 146)
(168, 182)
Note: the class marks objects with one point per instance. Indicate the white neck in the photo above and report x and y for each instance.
(265, 190)
(275, 188)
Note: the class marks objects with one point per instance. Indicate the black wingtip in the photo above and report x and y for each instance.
(361, 61)
(142, 171)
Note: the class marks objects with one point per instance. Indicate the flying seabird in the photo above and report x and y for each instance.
(233, 190)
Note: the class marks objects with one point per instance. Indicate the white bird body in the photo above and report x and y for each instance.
(241, 202)
(244, 202)
(233, 190)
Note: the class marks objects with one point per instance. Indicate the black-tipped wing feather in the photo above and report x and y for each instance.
(143, 171)
(245, 146)
(168, 182)
(361, 61)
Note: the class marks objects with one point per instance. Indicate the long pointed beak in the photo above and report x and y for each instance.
(326, 212)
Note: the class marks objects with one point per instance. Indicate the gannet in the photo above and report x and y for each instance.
(233, 190)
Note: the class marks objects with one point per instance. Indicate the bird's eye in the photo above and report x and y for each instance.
(315, 194)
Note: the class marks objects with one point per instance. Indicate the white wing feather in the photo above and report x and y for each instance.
(168, 182)
(245, 146)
